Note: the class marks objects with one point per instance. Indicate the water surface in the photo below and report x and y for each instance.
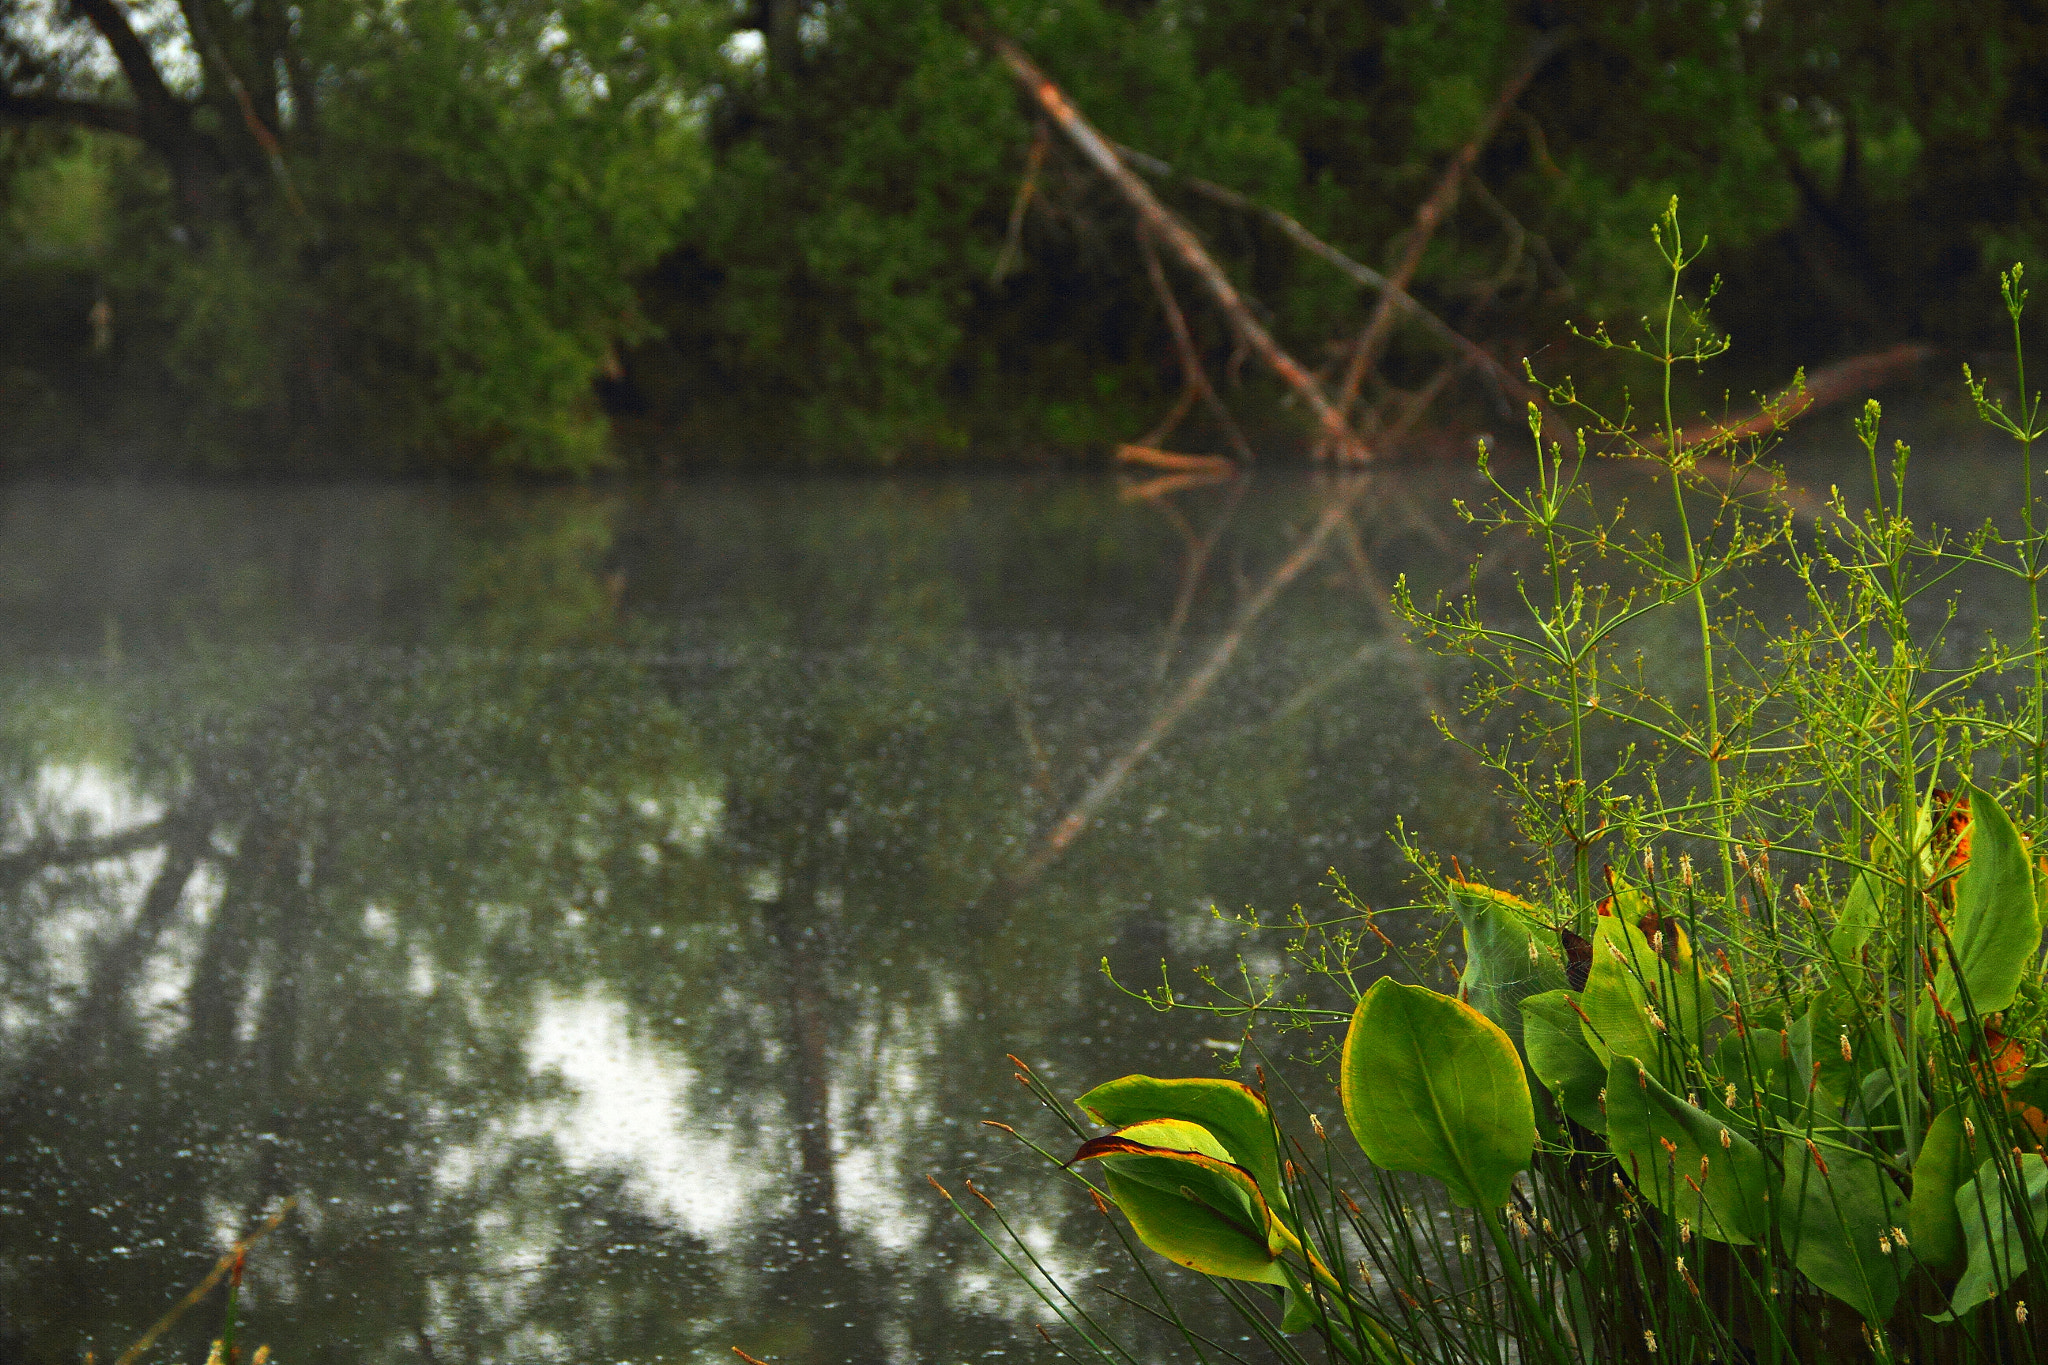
(603, 910)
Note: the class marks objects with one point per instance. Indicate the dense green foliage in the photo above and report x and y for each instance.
(791, 226)
(417, 242)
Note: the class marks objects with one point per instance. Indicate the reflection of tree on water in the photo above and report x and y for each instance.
(360, 889)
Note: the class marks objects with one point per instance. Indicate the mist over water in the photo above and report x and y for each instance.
(599, 910)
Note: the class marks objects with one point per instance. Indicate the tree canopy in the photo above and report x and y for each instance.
(513, 233)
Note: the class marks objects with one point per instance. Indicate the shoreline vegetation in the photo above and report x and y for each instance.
(1749, 1062)
(512, 238)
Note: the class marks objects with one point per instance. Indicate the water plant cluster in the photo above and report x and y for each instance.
(1751, 1065)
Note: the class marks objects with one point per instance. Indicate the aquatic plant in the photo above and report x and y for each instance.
(1755, 1065)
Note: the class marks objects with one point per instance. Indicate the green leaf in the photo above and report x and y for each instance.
(1189, 1202)
(1756, 1062)
(1635, 1003)
(1432, 1085)
(1858, 920)
(1997, 929)
(1709, 1174)
(1997, 1251)
(1839, 1221)
(1509, 953)
(1931, 1212)
(1560, 1058)
(1230, 1111)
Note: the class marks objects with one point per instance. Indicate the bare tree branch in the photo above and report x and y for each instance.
(1337, 433)
(158, 105)
(1430, 215)
(1505, 381)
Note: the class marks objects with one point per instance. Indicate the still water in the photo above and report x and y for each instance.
(603, 910)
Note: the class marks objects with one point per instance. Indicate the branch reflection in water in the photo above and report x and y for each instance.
(586, 904)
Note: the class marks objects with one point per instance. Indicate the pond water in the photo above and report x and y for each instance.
(603, 910)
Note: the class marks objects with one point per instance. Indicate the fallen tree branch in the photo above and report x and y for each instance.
(1336, 432)
(1506, 382)
(1193, 375)
(1154, 458)
(1430, 215)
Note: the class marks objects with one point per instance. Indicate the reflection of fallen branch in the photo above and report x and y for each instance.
(1337, 434)
(1200, 549)
(1347, 493)
(1846, 379)
(1180, 464)
(1112, 778)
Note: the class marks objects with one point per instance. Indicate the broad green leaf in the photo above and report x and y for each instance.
(1189, 1202)
(1996, 929)
(1816, 1037)
(1708, 1174)
(1997, 1252)
(1757, 1062)
(1636, 1004)
(1931, 1213)
(1509, 953)
(1838, 1224)
(1231, 1112)
(1560, 1058)
(1858, 919)
(1431, 1085)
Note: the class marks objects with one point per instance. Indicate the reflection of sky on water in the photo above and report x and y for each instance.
(626, 1107)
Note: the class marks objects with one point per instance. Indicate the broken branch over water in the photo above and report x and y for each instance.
(1337, 433)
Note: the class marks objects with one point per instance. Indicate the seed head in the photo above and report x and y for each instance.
(1650, 1341)
(1727, 1140)
(2019, 1312)
(1848, 1054)
(1685, 868)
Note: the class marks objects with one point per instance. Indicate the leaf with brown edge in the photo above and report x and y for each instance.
(1190, 1203)
(1996, 929)
(1232, 1112)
